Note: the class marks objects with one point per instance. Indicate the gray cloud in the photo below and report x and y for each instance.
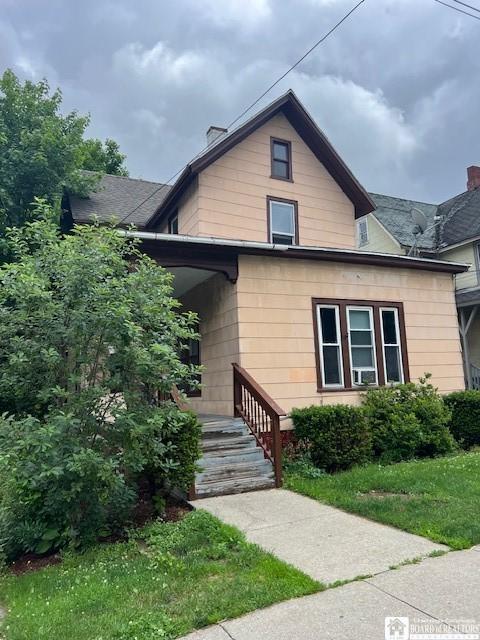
(395, 88)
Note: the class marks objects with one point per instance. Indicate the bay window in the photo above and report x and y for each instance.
(359, 343)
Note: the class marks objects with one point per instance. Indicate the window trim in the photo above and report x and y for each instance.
(376, 305)
(288, 144)
(171, 218)
(338, 344)
(389, 344)
(295, 218)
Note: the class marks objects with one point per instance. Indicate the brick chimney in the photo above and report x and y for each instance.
(473, 177)
(214, 133)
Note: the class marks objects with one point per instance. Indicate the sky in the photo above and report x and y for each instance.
(396, 88)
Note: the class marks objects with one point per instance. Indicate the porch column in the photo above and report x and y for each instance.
(465, 324)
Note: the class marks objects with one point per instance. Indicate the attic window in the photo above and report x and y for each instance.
(281, 159)
(362, 232)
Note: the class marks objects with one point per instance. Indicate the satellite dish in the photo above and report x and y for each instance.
(420, 219)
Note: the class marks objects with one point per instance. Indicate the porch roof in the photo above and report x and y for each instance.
(214, 249)
(468, 298)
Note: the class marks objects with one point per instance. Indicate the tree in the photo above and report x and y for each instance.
(89, 334)
(43, 152)
(105, 158)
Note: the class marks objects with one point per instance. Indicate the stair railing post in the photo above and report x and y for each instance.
(237, 392)
(277, 450)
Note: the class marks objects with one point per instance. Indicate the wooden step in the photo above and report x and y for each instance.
(236, 485)
(231, 461)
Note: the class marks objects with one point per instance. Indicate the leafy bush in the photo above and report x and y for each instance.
(89, 336)
(337, 435)
(465, 421)
(408, 420)
(61, 485)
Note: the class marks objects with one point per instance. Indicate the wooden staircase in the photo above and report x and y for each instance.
(232, 460)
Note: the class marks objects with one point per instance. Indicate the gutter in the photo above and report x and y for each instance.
(291, 251)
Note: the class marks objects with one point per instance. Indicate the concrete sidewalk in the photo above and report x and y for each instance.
(324, 542)
(439, 589)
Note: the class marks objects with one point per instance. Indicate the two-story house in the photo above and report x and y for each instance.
(260, 232)
(448, 231)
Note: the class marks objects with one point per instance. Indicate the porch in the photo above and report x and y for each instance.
(468, 302)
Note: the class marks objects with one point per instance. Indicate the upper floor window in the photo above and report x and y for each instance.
(281, 159)
(282, 221)
(362, 232)
(359, 343)
(173, 223)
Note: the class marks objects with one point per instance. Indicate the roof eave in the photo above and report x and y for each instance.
(301, 252)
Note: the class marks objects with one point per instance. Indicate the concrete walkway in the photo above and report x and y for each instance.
(324, 542)
(438, 589)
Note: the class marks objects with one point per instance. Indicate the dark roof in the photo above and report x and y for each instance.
(301, 120)
(461, 218)
(467, 298)
(395, 215)
(119, 197)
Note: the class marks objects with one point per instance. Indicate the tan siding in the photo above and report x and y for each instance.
(276, 325)
(188, 212)
(232, 193)
(378, 239)
(465, 253)
(215, 302)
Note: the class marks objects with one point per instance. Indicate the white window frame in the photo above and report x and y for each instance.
(398, 344)
(286, 235)
(373, 347)
(338, 344)
(360, 234)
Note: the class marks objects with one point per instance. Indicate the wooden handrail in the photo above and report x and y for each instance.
(261, 414)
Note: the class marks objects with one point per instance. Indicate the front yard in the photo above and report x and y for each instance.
(435, 498)
(174, 578)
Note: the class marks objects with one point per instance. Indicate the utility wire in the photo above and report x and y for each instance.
(445, 4)
(469, 6)
(245, 111)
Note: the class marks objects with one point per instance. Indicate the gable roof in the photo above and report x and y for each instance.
(395, 215)
(461, 218)
(300, 119)
(120, 197)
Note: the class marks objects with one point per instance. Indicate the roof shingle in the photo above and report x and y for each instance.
(118, 197)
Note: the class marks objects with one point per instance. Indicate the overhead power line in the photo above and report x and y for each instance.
(469, 6)
(245, 111)
(445, 4)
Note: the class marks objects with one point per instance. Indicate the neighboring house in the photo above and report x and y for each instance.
(452, 233)
(260, 232)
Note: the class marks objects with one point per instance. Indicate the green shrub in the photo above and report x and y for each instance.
(408, 420)
(337, 435)
(395, 429)
(90, 333)
(63, 485)
(465, 421)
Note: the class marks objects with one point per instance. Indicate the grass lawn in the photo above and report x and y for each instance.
(175, 578)
(438, 499)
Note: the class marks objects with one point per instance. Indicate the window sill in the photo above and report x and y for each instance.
(346, 389)
(280, 178)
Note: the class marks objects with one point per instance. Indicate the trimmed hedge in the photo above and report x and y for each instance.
(408, 421)
(465, 421)
(337, 435)
(394, 423)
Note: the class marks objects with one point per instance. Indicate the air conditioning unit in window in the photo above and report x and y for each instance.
(364, 376)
